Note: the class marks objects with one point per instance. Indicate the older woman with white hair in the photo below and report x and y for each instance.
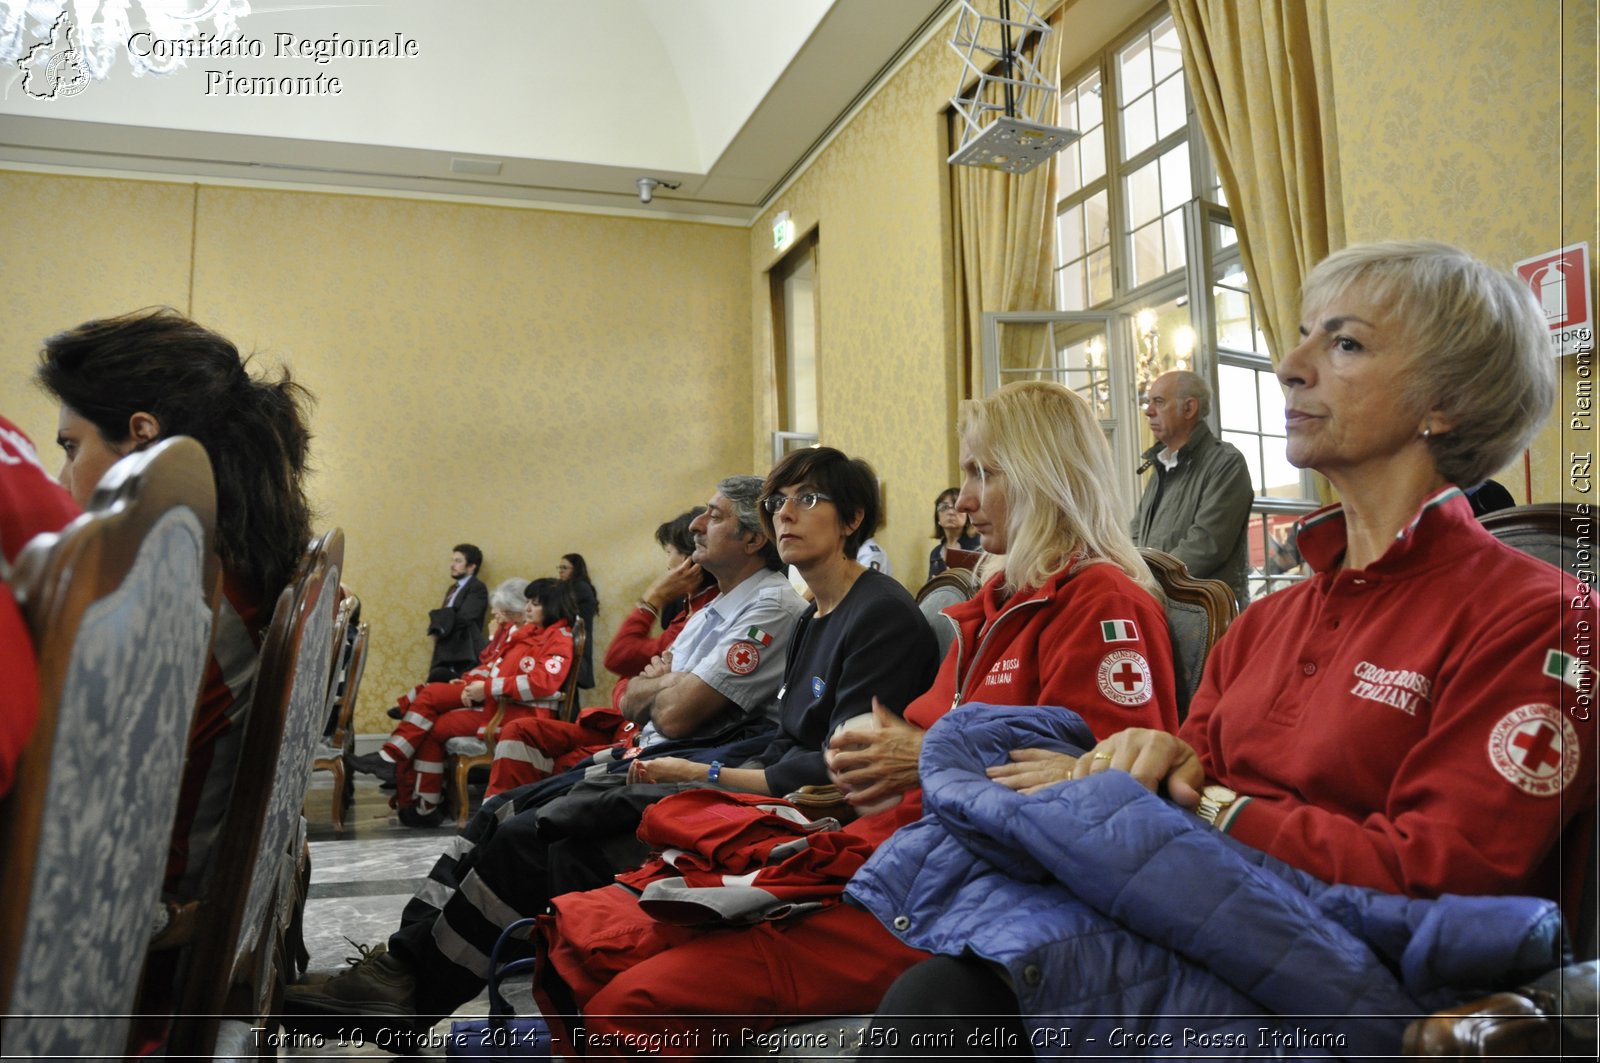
(1412, 721)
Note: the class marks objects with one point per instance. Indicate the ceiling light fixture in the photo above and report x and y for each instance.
(648, 186)
(1003, 113)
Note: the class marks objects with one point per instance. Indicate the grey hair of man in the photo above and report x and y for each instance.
(510, 596)
(745, 494)
(1477, 351)
(1189, 385)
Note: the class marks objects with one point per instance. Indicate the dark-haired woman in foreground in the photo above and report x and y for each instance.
(1412, 721)
(126, 382)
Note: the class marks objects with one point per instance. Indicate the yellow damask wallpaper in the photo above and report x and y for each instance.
(1473, 122)
(535, 382)
(886, 373)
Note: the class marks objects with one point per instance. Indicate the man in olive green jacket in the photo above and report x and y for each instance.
(1196, 505)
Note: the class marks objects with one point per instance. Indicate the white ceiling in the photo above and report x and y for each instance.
(575, 100)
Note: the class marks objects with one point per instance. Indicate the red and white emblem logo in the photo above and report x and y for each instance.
(743, 658)
(1536, 749)
(527, 664)
(553, 665)
(1125, 677)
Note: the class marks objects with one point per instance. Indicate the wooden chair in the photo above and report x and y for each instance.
(230, 969)
(949, 587)
(1547, 530)
(1554, 1015)
(1198, 612)
(120, 606)
(966, 560)
(468, 752)
(334, 753)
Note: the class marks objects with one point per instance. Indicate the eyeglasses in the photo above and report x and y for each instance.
(945, 507)
(809, 500)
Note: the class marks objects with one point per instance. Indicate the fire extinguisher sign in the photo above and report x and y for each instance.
(1560, 283)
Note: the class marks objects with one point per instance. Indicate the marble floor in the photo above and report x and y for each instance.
(360, 880)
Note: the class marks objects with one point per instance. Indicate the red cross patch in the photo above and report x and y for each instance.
(527, 664)
(743, 658)
(1125, 677)
(1536, 749)
(553, 665)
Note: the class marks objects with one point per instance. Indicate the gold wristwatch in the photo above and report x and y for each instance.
(1215, 800)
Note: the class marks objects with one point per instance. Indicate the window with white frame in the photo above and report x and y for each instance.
(1146, 248)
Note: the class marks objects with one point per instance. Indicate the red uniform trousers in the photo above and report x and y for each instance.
(419, 781)
(535, 747)
(777, 973)
(426, 704)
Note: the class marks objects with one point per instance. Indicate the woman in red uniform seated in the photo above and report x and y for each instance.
(1415, 718)
(532, 748)
(525, 681)
(1068, 615)
(420, 705)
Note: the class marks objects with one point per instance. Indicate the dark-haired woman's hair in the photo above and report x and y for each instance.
(676, 533)
(555, 598)
(193, 382)
(849, 482)
(580, 567)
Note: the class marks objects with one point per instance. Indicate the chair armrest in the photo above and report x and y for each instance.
(820, 802)
(174, 924)
(1554, 1014)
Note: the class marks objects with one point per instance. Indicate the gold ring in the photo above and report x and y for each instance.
(1102, 756)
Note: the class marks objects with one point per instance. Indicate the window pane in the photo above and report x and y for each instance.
(1143, 193)
(1177, 252)
(1233, 274)
(1281, 480)
(1089, 102)
(1081, 349)
(1069, 234)
(1138, 126)
(1148, 260)
(1072, 286)
(1164, 339)
(1099, 276)
(1167, 53)
(1096, 221)
(1068, 171)
(1175, 185)
(1250, 449)
(1135, 64)
(1236, 399)
(1232, 312)
(1093, 147)
(1171, 107)
(1067, 114)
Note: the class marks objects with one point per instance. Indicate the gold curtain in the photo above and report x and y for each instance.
(1004, 245)
(1261, 78)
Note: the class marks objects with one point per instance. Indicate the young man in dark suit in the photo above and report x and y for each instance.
(456, 627)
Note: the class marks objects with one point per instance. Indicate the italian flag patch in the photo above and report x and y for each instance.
(1565, 667)
(1118, 631)
(755, 634)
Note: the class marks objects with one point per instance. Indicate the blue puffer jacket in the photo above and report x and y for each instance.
(1147, 932)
